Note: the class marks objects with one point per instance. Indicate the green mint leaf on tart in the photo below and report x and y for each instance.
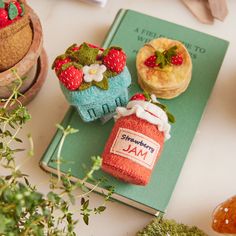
(161, 60)
(164, 58)
(2, 5)
(170, 53)
(86, 55)
(22, 8)
(12, 11)
(102, 84)
(85, 86)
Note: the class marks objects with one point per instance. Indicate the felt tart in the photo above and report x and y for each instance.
(164, 68)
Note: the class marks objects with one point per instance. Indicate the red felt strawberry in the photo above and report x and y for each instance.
(59, 62)
(177, 60)
(71, 77)
(3, 18)
(115, 60)
(138, 96)
(151, 61)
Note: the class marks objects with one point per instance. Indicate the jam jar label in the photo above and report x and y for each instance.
(136, 147)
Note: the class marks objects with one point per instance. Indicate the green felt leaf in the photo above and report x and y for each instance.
(146, 95)
(170, 53)
(116, 47)
(164, 58)
(171, 118)
(84, 86)
(69, 49)
(2, 5)
(62, 57)
(161, 60)
(108, 74)
(22, 5)
(12, 11)
(64, 67)
(102, 84)
(86, 55)
(105, 52)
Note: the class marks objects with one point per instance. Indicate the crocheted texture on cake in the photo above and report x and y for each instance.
(94, 102)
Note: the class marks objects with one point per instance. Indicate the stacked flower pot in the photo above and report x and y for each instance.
(21, 49)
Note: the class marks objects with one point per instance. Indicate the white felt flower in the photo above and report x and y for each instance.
(94, 72)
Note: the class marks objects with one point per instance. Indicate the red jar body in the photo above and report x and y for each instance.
(124, 168)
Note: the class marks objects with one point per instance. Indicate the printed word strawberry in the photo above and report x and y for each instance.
(71, 77)
(115, 60)
(138, 96)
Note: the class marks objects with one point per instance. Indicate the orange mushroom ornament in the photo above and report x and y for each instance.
(224, 217)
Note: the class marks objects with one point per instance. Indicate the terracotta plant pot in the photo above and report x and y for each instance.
(28, 66)
(15, 41)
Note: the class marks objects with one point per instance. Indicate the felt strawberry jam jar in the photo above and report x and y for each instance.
(95, 81)
(137, 138)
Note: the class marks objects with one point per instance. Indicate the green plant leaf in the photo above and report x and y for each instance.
(85, 205)
(86, 219)
(18, 140)
(101, 209)
(12, 11)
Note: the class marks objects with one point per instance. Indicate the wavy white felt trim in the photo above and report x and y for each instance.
(146, 111)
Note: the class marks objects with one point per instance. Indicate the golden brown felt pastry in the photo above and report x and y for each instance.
(164, 68)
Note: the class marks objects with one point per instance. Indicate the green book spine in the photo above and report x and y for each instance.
(131, 30)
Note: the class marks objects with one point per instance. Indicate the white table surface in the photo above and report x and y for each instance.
(208, 175)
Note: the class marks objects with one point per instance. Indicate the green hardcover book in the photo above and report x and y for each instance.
(131, 30)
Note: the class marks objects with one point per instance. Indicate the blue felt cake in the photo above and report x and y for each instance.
(93, 80)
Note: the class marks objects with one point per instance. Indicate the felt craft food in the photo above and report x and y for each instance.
(15, 33)
(224, 217)
(93, 80)
(137, 139)
(164, 68)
